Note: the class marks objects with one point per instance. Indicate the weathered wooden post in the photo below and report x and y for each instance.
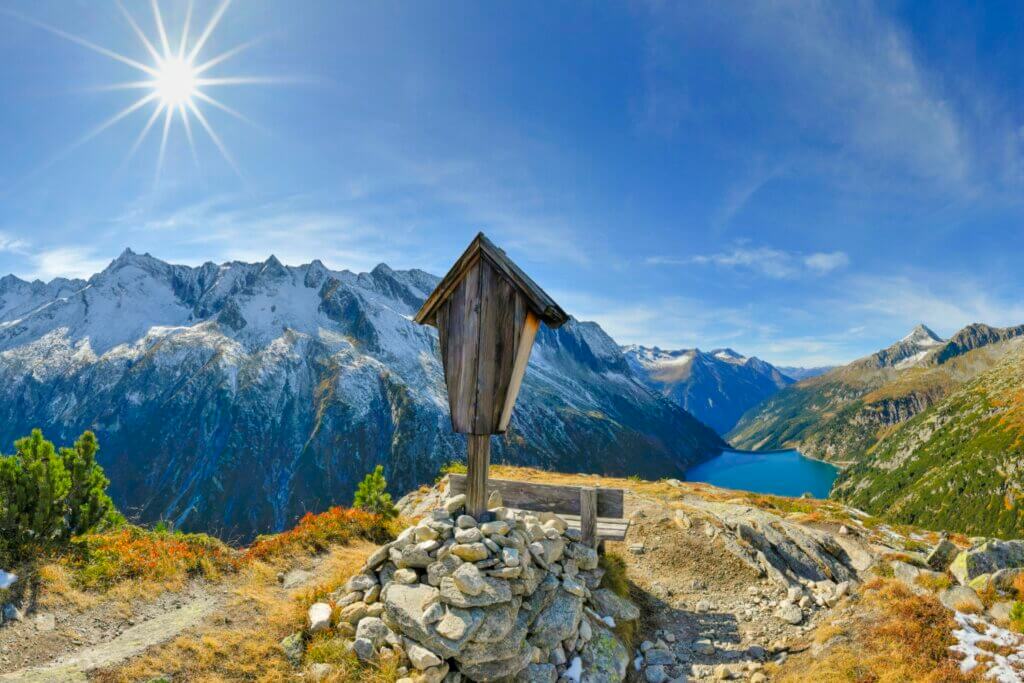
(487, 312)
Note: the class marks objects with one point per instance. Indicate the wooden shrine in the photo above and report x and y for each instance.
(487, 312)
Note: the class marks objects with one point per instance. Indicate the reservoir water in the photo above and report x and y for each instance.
(782, 473)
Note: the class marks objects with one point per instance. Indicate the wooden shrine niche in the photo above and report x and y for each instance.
(487, 312)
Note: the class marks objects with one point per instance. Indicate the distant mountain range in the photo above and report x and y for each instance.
(233, 397)
(717, 386)
(841, 415)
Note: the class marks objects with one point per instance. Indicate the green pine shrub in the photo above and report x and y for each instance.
(372, 495)
(47, 496)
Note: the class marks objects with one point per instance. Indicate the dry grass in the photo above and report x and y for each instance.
(898, 636)
(934, 583)
(245, 649)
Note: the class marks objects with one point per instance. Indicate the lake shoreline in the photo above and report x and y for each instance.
(784, 472)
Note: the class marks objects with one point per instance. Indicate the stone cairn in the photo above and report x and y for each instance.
(515, 599)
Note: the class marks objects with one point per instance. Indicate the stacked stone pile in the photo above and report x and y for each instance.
(513, 599)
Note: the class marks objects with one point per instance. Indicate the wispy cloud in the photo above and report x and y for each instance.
(767, 261)
(70, 262)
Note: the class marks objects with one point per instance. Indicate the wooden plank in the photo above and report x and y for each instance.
(564, 500)
(476, 481)
(460, 343)
(588, 515)
(530, 326)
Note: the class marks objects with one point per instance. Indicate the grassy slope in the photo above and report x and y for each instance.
(836, 416)
(956, 466)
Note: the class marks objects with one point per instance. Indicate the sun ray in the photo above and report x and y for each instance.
(163, 142)
(138, 31)
(212, 24)
(144, 132)
(216, 139)
(127, 85)
(188, 132)
(225, 108)
(184, 31)
(160, 29)
(225, 56)
(83, 42)
(248, 80)
(135, 106)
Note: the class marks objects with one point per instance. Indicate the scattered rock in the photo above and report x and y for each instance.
(962, 599)
(942, 555)
(319, 617)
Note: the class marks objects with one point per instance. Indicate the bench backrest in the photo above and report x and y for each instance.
(563, 500)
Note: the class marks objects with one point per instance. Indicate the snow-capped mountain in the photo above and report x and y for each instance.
(234, 397)
(716, 387)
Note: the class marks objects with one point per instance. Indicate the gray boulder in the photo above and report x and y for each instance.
(558, 621)
(609, 604)
(492, 592)
(942, 555)
(605, 658)
(987, 558)
(961, 599)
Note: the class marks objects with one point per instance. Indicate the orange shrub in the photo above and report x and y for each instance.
(315, 532)
(132, 552)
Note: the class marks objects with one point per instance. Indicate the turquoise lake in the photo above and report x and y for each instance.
(783, 473)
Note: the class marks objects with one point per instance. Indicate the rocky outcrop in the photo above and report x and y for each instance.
(517, 599)
(987, 558)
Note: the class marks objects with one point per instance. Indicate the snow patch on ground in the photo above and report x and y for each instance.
(1008, 668)
(7, 579)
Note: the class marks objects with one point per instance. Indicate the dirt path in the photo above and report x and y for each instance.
(132, 641)
(114, 639)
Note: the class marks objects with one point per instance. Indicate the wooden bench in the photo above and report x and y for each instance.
(596, 512)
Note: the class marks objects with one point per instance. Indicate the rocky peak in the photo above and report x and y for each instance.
(922, 335)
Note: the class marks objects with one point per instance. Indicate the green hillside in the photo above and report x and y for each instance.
(959, 465)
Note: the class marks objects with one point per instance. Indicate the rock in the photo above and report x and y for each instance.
(538, 673)
(658, 655)
(364, 649)
(419, 656)
(608, 603)
(636, 548)
(961, 599)
(494, 591)
(465, 522)
(294, 648)
(789, 613)
(372, 595)
(378, 558)
(434, 613)
(455, 503)
(457, 623)
(12, 613)
(498, 622)
(372, 629)
(360, 582)
(470, 535)
(571, 585)
(942, 555)
(494, 500)
(490, 671)
(318, 617)
(1000, 611)
(470, 552)
(987, 558)
(494, 528)
(406, 575)
(468, 580)
(348, 599)
(604, 658)
(414, 556)
(557, 621)
(655, 674)
(353, 613)
(510, 557)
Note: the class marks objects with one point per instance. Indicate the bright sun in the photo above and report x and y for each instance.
(175, 82)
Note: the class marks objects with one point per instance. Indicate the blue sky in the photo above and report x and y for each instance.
(800, 181)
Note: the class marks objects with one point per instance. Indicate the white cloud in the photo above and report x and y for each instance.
(826, 262)
(767, 261)
(69, 262)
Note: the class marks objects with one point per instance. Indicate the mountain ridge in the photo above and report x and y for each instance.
(716, 387)
(243, 394)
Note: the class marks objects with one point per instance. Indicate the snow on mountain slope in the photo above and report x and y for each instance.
(717, 387)
(234, 397)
